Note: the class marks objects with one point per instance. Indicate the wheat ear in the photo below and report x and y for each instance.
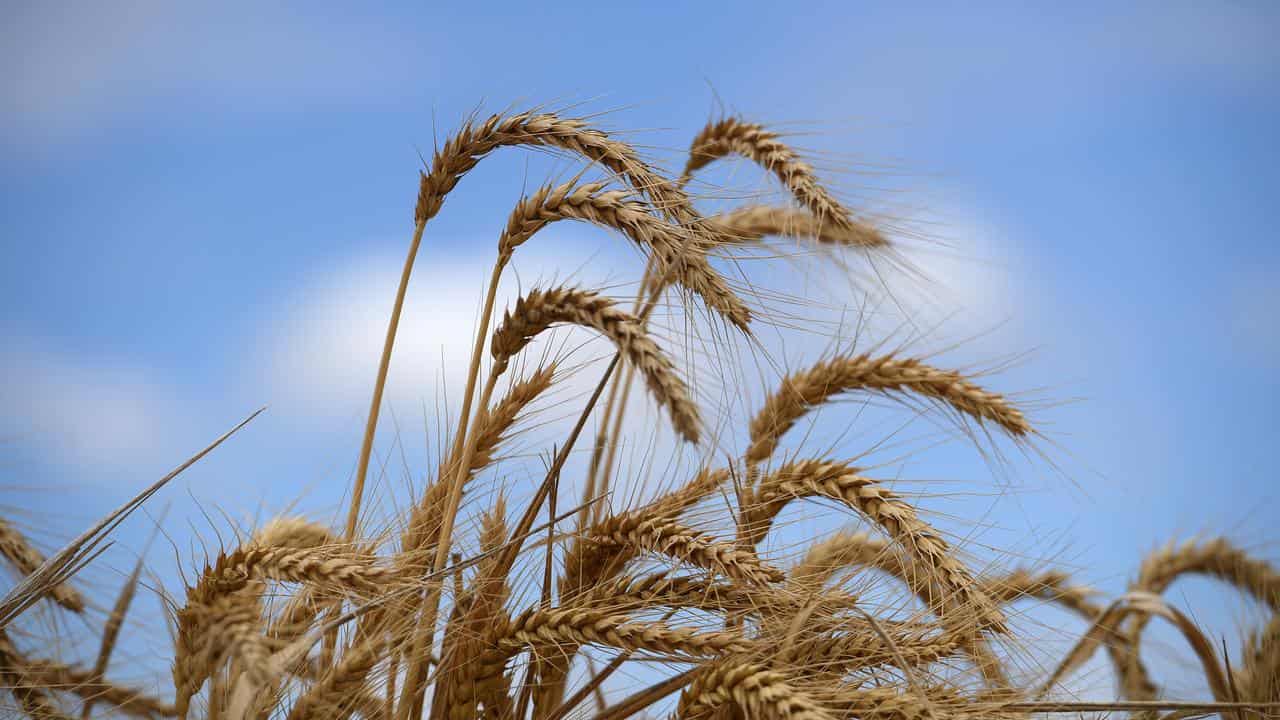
(753, 223)
(580, 626)
(337, 691)
(1216, 558)
(676, 251)
(842, 483)
(733, 136)
(804, 390)
(540, 309)
(26, 559)
(847, 550)
(754, 690)
(111, 630)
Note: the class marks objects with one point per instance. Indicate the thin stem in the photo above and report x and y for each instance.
(375, 405)
(414, 693)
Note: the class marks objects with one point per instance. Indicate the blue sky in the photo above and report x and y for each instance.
(203, 209)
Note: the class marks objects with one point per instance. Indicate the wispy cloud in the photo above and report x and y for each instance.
(318, 352)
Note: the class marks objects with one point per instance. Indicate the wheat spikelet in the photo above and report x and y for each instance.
(25, 559)
(859, 650)
(840, 482)
(540, 309)
(329, 569)
(754, 690)
(630, 593)
(802, 391)
(582, 626)
(754, 142)
(753, 223)
(676, 251)
(687, 545)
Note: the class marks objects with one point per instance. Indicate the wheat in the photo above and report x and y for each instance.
(753, 223)
(676, 250)
(32, 696)
(842, 483)
(580, 626)
(755, 691)
(540, 309)
(1216, 558)
(804, 390)
(1260, 672)
(752, 141)
(26, 559)
(301, 621)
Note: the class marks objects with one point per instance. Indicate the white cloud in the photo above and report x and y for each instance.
(322, 351)
(319, 352)
(84, 412)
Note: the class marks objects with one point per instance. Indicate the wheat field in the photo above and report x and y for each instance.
(481, 599)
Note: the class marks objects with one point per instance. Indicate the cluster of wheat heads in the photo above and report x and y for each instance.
(463, 612)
